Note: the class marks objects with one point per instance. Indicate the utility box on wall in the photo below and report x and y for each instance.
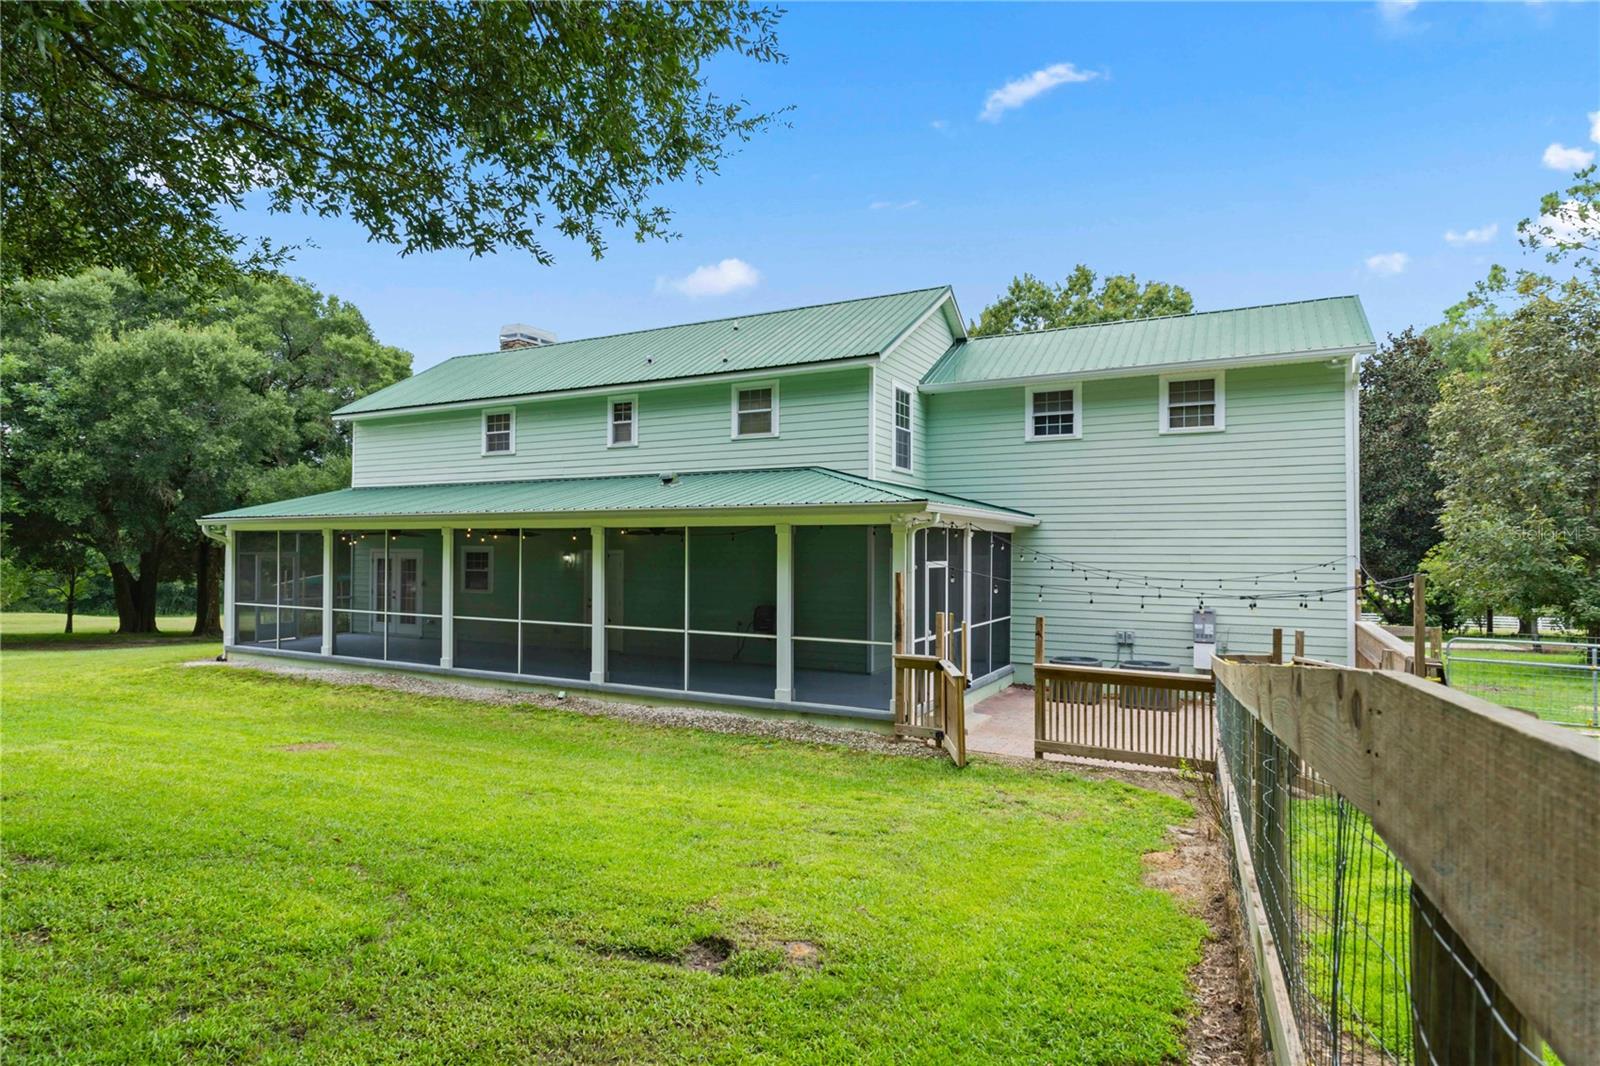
(1205, 637)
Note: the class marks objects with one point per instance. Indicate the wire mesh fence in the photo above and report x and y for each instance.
(1557, 680)
(1372, 974)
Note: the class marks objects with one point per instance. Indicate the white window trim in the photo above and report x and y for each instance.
(895, 389)
(483, 430)
(1162, 417)
(1077, 410)
(461, 582)
(611, 422)
(733, 408)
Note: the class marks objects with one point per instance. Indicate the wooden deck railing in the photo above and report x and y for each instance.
(1133, 716)
(930, 694)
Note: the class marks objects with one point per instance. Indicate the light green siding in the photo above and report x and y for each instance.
(905, 365)
(821, 421)
(1268, 493)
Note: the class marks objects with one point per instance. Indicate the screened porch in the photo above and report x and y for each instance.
(797, 614)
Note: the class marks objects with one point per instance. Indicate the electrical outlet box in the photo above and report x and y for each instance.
(1125, 636)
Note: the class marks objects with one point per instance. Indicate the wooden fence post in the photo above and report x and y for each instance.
(1038, 685)
(941, 636)
(1277, 646)
(1419, 626)
(1299, 644)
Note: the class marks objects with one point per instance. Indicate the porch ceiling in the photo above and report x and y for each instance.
(730, 490)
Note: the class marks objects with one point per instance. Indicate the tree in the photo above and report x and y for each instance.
(1518, 453)
(130, 130)
(1030, 304)
(126, 441)
(307, 354)
(1399, 484)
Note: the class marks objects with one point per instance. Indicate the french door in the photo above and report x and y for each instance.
(397, 589)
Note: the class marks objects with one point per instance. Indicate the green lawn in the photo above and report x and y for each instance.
(205, 864)
(35, 628)
(1548, 690)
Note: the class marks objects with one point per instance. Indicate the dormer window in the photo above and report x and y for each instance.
(623, 424)
(755, 410)
(499, 432)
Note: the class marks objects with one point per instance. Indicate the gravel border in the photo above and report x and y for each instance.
(669, 717)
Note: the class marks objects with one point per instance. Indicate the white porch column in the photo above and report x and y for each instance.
(230, 563)
(597, 604)
(327, 592)
(447, 599)
(784, 693)
(900, 555)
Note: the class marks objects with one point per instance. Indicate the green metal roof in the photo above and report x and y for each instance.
(798, 336)
(808, 486)
(1335, 324)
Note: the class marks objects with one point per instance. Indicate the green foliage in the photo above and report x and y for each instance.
(1399, 485)
(131, 130)
(133, 411)
(1030, 304)
(1518, 449)
(267, 868)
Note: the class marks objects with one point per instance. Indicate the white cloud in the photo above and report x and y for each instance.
(894, 205)
(1559, 157)
(1570, 223)
(1396, 10)
(1594, 126)
(1477, 235)
(716, 279)
(1387, 264)
(939, 124)
(1018, 91)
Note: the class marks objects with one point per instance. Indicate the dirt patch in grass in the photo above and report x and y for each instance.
(802, 953)
(1223, 1029)
(309, 745)
(708, 954)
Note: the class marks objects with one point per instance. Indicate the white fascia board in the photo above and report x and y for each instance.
(1198, 366)
(820, 514)
(612, 390)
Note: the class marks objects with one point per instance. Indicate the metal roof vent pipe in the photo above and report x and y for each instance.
(522, 335)
(668, 478)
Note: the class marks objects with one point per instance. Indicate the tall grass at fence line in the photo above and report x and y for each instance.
(1553, 692)
(1364, 915)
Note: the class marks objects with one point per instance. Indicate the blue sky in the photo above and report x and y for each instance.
(1252, 153)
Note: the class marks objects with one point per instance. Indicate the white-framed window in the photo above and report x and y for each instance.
(1054, 412)
(622, 422)
(500, 432)
(755, 409)
(1191, 403)
(902, 428)
(477, 570)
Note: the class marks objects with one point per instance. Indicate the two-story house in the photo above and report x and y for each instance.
(718, 510)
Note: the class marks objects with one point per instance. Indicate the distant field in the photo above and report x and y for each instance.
(1541, 682)
(41, 627)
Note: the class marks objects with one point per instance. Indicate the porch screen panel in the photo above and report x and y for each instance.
(415, 619)
(733, 594)
(645, 593)
(360, 559)
(255, 589)
(843, 615)
(1000, 601)
(301, 589)
(486, 599)
(555, 602)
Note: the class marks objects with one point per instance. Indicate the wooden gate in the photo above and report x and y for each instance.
(930, 692)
